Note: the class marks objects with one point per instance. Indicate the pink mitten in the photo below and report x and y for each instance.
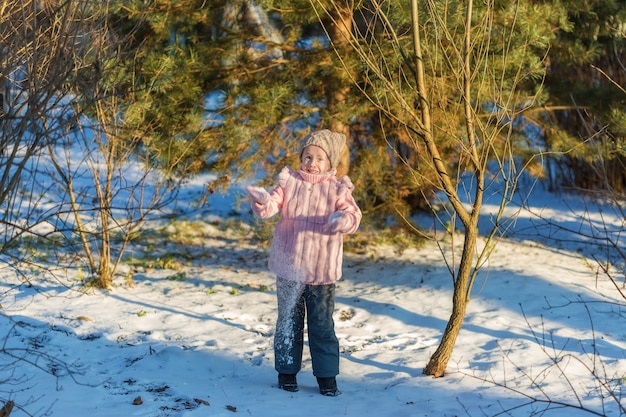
(258, 195)
(336, 221)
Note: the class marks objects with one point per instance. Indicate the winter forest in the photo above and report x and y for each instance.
(486, 145)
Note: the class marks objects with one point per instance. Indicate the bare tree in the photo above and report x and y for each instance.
(40, 48)
(452, 90)
(107, 166)
(111, 191)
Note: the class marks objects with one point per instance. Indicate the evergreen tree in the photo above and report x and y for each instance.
(586, 80)
(271, 75)
(159, 77)
(238, 83)
(302, 75)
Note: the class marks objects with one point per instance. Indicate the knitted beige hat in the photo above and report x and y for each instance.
(331, 142)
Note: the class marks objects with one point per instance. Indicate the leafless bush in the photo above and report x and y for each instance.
(42, 44)
(599, 233)
(551, 386)
(107, 166)
(40, 48)
(19, 358)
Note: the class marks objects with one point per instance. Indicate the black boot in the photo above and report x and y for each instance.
(288, 382)
(328, 386)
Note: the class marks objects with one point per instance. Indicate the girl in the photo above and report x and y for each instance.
(316, 209)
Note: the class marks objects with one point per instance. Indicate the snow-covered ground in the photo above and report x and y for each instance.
(544, 331)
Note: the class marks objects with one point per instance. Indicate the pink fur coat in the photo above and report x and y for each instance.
(308, 239)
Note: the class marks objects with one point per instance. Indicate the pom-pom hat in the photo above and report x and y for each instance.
(331, 142)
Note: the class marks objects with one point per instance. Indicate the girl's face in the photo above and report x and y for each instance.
(314, 160)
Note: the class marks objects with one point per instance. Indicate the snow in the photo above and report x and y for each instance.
(543, 334)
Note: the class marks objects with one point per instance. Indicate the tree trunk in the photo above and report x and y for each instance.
(6, 409)
(339, 32)
(439, 360)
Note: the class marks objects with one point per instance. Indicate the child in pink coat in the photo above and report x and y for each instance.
(316, 209)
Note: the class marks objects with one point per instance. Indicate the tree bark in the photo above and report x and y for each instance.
(340, 32)
(6, 410)
(439, 360)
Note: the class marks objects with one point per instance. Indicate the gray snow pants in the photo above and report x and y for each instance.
(318, 302)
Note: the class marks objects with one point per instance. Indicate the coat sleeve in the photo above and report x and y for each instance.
(351, 218)
(277, 196)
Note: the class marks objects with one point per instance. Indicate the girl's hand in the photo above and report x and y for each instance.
(336, 221)
(258, 195)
